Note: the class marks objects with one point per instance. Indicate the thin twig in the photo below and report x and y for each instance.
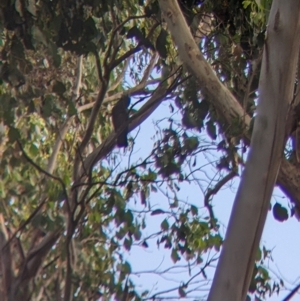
(214, 191)
(40, 169)
(292, 293)
(136, 90)
(121, 25)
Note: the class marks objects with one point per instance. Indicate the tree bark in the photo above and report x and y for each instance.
(276, 88)
(220, 97)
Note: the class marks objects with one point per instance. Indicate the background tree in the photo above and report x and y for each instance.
(67, 196)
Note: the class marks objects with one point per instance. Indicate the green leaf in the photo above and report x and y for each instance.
(145, 293)
(59, 88)
(188, 120)
(191, 144)
(128, 217)
(53, 51)
(161, 42)
(174, 255)
(157, 211)
(280, 213)
(38, 36)
(121, 233)
(126, 268)
(246, 3)
(137, 234)
(199, 259)
(17, 48)
(199, 244)
(170, 169)
(143, 197)
(72, 109)
(33, 150)
(181, 292)
(13, 134)
(202, 109)
(211, 129)
(263, 272)
(48, 105)
(2, 190)
(127, 244)
(194, 210)
(120, 216)
(164, 225)
(150, 176)
(175, 203)
(152, 8)
(9, 116)
(90, 30)
(258, 254)
(145, 244)
(122, 267)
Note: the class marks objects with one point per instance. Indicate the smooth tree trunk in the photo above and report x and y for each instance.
(229, 109)
(280, 58)
(276, 87)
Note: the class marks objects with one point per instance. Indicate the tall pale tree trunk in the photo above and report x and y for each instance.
(276, 87)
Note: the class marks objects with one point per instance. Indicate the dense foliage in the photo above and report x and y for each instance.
(72, 203)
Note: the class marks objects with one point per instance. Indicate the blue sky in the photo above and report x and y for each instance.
(282, 238)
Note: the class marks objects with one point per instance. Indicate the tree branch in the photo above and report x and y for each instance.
(292, 293)
(220, 97)
(33, 262)
(213, 191)
(145, 111)
(64, 128)
(249, 212)
(6, 261)
(119, 78)
(136, 90)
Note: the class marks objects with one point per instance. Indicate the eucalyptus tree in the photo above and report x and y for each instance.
(77, 78)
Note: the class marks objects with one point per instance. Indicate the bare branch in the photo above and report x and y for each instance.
(133, 50)
(145, 111)
(292, 293)
(214, 191)
(150, 67)
(232, 278)
(42, 170)
(107, 54)
(221, 98)
(90, 127)
(32, 264)
(119, 78)
(125, 56)
(77, 85)
(6, 261)
(136, 90)
(70, 263)
(98, 67)
(58, 143)
(64, 128)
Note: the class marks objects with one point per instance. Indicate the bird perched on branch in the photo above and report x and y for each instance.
(120, 119)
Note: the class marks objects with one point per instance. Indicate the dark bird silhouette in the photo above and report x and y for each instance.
(120, 119)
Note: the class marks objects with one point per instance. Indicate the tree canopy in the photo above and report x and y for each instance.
(75, 198)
